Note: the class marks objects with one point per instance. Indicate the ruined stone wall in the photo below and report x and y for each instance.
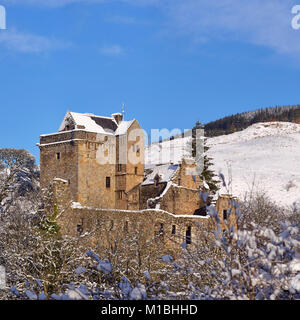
(180, 200)
(101, 228)
(187, 176)
(225, 206)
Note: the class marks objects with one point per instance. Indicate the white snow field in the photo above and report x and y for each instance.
(265, 157)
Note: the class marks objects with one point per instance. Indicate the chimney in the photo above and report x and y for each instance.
(118, 117)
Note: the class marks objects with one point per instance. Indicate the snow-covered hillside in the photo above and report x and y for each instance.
(263, 157)
(167, 151)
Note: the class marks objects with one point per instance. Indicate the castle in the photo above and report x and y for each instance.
(98, 165)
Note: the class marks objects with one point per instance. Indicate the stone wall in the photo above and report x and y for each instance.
(60, 160)
(226, 207)
(187, 176)
(96, 163)
(180, 200)
(100, 228)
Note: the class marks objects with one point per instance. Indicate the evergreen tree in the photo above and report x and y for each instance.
(207, 174)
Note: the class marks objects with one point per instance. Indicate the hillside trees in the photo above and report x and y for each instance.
(241, 121)
(207, 174)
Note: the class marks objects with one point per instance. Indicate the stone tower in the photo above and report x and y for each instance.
(100, 158)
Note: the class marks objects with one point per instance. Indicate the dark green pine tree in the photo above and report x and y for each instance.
(207, 174)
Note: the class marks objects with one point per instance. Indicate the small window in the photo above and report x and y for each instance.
(188, 235)
(225, 215)
(161, 231)
(119, 167)
(107, 182)
(173, 229)
(135, 170)
(58, 155)
(79, 229)
(126, 227)
(120, 195)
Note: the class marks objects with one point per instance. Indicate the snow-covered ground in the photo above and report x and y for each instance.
(263, 157)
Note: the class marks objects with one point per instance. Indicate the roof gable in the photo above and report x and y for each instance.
(93, 123)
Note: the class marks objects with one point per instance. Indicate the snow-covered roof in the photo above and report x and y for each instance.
(165, 171)
(123, 127)
(94, 123)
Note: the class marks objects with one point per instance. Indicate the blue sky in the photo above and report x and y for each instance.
(171, 61)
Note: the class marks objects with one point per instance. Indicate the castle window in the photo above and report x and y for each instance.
(161, 230)
(120, 195)
(119, 167)
(188, 235)
(79, 229)
(173, 229)
(107, 182)
(58, 155)
(225, 215)
(135, 170)
(126, 227)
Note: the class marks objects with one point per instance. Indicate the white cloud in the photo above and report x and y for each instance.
(14, 40)
(112, 50)
(260, 22)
